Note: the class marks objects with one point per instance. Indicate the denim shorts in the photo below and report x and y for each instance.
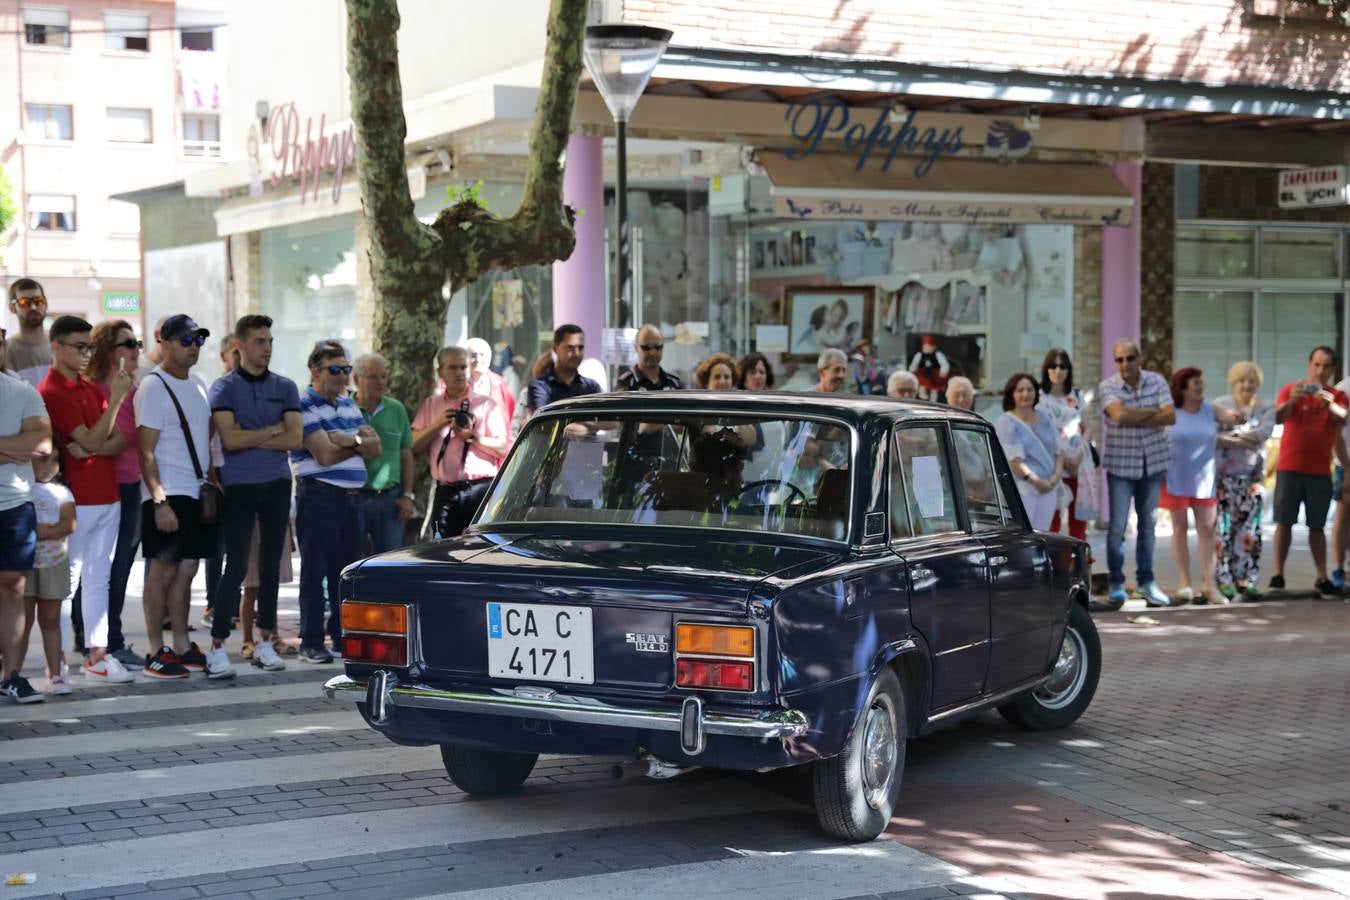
(18, 538)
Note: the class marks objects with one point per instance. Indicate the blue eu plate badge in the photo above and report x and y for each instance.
(494, 611)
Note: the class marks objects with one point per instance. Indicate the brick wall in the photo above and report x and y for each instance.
(1087, 313)
(1191, 40)
(1157, 252)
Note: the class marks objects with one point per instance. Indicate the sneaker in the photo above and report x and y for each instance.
(1326, 590)
(1338, 578)
(58, 686)
(18, 690)
(1154, 596)
(1276, 583)
(315, 655)
(193, 660)
(283, 648)
(127, 657)
(107, 670)
(265, 657)
(1251, 595)
(1228, 592)
(217, 663)
(1185, 595)
(165, 665)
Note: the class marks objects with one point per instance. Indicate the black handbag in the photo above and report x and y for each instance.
(210, 498)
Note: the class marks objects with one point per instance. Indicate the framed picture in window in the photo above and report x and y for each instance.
(823, 317)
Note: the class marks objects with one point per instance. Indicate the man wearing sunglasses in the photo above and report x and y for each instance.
(85, 428)
(648, 375)
(330, 470)
(1138, 408)
(30, 354)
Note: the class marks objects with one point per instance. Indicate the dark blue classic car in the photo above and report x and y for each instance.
(733, 580)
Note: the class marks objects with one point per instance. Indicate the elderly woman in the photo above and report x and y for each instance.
(1240, 466)
(1190, 480)
(1031, 443)
(902, 385)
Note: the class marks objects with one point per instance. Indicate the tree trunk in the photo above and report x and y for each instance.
(411, 262)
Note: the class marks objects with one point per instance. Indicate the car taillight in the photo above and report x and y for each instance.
(715, 674)
(376, 649)
(714, 640)
(375, 633)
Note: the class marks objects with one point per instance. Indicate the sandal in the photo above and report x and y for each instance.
(283, 648)
(247, 650)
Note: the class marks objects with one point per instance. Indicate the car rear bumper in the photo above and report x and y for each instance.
(382, 693)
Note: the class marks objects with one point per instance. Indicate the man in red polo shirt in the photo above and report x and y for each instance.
(85, 428)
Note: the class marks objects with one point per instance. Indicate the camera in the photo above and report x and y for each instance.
(1310, 388)
(463, 419)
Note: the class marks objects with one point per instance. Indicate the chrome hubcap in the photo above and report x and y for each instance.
(878, 752)
(1066, 680)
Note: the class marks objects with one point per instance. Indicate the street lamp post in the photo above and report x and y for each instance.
(621, 59)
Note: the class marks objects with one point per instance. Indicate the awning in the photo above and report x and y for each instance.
(830, 186)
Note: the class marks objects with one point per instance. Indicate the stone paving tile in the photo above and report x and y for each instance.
(190, 715)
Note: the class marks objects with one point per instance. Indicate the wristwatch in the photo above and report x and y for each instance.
(410, 495)
(357, 440)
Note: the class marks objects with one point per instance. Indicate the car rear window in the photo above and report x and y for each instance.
(735, 472)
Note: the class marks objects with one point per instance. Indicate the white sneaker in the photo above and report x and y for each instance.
(108, 671)
(57, 685)
(218, 663)
(265, 657)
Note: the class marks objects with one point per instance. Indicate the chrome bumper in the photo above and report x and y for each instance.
(383, 691)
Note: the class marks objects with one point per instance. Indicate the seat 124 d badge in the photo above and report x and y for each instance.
(649, 643)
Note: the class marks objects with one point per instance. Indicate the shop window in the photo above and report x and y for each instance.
(1213, 330)
(48, 123)
(199, 39)
(1289, 325)
(129, 126)
(51, 212)
(123, 218)
(46, 27)
(127, 31)
(1300, 254)
(201, 136)
(1218, 252)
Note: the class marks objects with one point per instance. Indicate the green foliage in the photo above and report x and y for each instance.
(7, 209)
(467, 193)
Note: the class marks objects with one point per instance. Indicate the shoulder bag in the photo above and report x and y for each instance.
(210, 499)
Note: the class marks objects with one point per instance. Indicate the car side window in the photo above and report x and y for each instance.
(984, 500)
(921, 489)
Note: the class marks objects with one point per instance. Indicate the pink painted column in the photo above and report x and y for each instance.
(579, 283)
(1121, 270)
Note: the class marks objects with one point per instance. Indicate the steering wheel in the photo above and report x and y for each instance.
(776, 483)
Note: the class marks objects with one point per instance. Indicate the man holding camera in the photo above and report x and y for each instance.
(465, 436)
(1312, 413)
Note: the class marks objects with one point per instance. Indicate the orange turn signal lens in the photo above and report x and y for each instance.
(382, 618)
(715, 640)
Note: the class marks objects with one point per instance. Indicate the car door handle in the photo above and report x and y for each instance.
(998, 560)
(919, 573)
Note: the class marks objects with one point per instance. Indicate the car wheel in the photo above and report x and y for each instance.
(1066, 694)
(486, 773)
(856, 791)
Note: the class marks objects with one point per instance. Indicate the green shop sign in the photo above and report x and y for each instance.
(121, 303)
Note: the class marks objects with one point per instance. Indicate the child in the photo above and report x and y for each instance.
(49, 582)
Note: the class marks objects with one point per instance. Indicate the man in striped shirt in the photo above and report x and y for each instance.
(330, 471)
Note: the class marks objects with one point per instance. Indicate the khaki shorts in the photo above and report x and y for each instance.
(51, 583)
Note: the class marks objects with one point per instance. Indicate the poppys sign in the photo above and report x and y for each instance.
(306, 154)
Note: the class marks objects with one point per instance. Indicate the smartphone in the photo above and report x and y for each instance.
(1310, 388)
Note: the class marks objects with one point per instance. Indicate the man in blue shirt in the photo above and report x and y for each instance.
(330, 471)
(257, 415)
(561, 378)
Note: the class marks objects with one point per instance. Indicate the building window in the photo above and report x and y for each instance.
(46, 27)
(123, 217)
(127, 31)
(51, 212)
(48, 123)
(201, 39)
(129, 126)
(201, 136)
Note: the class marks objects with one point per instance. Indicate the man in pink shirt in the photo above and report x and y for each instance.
(482, 380)
(465, 436)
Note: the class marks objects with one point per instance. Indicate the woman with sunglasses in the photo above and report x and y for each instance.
(1063, 404)
(117, 350)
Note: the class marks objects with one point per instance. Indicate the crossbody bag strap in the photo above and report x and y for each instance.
(187, 431)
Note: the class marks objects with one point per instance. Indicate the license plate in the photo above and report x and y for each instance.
(533, 642)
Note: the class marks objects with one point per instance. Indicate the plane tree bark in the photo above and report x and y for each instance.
(411, 261)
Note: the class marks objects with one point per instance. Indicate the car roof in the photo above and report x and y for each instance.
(854, 408)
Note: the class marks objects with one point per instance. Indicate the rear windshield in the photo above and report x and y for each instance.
(737, 472)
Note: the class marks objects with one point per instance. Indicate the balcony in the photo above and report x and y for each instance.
(202, 150)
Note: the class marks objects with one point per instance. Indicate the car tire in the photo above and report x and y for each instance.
(856, 792)
(486, 773)
(1061, 699)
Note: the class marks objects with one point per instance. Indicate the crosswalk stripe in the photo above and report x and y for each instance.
(146, 784)
(847, 871)
(111, 704)
(343, 718)
(176, 855)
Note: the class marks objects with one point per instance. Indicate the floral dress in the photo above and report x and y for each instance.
(1240, 470)
(1067, 415)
